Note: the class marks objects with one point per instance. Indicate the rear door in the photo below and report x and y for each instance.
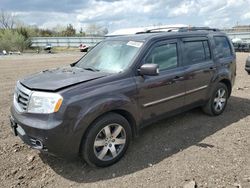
(199, 68)
(225, 56)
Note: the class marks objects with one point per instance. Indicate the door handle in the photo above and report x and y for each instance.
(226, 64)
(209, 69)
(177, 78)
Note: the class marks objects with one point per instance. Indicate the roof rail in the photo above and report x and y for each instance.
(178, 29)
(185, 29)
(160, 29)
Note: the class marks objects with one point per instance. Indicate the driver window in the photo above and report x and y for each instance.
(165, 56)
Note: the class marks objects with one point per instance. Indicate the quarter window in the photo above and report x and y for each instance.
(196, 52)
(165, 56)
(223, 47)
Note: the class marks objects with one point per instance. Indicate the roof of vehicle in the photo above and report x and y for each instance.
(144, 36)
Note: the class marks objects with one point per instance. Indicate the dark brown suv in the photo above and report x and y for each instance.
(94, 107)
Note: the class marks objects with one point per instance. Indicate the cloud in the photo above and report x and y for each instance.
(108, 0)
(116, 14)
(43, 5)
(209, 7)
(185, 7)
(246, 16)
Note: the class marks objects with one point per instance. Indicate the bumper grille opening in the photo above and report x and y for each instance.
(37, 144)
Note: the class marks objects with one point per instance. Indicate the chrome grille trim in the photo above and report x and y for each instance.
(21, 97)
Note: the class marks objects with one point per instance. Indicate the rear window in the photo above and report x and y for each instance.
(223, 47)
(196, 52)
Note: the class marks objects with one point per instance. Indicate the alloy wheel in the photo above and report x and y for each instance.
(220, 100)
(109, 142)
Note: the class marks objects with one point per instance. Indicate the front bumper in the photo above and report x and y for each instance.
(35, 143)
(247, 68)
(45, 133)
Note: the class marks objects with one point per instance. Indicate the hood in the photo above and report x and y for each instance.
(55, 79)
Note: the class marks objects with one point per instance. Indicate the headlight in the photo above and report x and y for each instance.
(44, 103)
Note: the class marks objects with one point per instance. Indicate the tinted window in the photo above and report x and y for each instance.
(223, 47)
(207, 49)
(196, 52)
(165, 56)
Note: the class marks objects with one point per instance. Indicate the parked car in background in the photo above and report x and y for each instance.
(241, 47)
(4, 52)
(14, 52)
(247, 67)
(48, 47)
(94, 107)
(236, 47)
(83, 48)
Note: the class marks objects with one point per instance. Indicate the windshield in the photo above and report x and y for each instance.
(110, 56)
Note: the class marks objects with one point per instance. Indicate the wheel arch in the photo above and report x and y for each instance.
(124, 113)
(228, 83)
(129, 117)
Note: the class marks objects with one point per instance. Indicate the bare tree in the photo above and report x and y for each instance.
(94, 29)
(7, 20)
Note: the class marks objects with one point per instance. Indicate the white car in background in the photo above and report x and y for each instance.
(83, 48)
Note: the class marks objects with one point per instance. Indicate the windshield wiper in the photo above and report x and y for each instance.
(91, 69)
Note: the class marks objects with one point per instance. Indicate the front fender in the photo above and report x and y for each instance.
(102, 106)
(94, 108)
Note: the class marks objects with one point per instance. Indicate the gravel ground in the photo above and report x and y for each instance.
(212, 151)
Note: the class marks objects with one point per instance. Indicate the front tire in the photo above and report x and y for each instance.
(218, 101)
(106, 141)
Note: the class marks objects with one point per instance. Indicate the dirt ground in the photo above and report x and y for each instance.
(212, 151)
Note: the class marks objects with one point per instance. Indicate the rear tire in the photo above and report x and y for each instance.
(106, 141)
(218, 101)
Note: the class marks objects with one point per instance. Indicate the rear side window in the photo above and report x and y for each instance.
(196, 52)
(165, 56)
(223, 47)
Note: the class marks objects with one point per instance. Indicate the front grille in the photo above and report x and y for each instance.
(21, 97)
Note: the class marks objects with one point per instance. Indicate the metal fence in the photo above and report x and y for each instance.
(65, 41)
(91, 41)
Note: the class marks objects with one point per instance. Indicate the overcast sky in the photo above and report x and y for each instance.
(116, 14)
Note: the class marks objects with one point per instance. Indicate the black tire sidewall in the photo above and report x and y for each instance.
(87, 150)
(219, 86)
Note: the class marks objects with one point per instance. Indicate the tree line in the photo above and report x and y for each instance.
(15, 35)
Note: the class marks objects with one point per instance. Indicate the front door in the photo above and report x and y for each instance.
(165, 92)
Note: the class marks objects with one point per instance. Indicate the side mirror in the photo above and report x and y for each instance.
(149, 69)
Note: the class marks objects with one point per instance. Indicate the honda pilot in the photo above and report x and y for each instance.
(95, 106)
